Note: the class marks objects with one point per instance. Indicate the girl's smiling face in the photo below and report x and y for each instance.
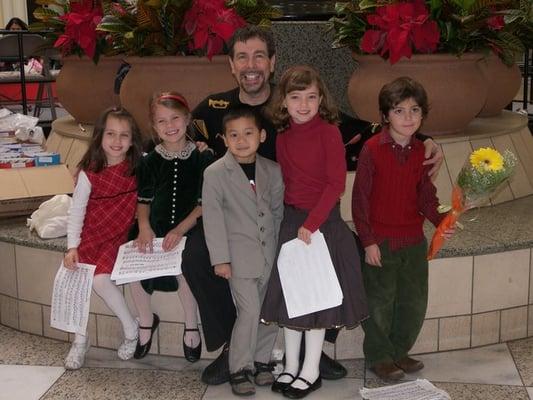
(302, 105)
(171, 126)
(116, 140)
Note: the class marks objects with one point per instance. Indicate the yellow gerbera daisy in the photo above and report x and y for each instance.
(486, 159)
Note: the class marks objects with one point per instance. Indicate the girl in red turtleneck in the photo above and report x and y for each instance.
(311, 155)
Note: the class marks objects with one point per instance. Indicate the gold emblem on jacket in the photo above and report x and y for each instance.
(220, 104)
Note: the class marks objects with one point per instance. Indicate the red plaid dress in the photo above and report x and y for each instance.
(109, 215)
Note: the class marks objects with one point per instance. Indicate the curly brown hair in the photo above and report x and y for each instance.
(300, 77)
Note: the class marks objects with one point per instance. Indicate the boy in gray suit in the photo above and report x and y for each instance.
(242, 206)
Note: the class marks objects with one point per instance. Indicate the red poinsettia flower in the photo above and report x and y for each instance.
(80, 27)
(210, 24)
(401, 27)
(496, 22)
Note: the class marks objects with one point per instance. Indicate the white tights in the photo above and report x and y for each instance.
(314, 339)
(142, 302)
(114, 299)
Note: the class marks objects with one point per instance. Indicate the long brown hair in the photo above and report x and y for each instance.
(94, 159)
(300, 77)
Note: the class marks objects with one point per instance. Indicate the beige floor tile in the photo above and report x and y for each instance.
(514, 323)
(27, 381)
(346, 198)
(170, 339)
(428, 337)
(443, 183)
(450, 287)
(30, 317)
(501, 280)
(485, 328)
(454, 333)
(109, 331)
(9, 314)
(524, 147)
(456, 155)
(36, 270)
(8, 272)
(520, 184)
(168, 306)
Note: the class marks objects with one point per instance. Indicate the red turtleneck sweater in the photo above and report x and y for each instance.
(311, 156)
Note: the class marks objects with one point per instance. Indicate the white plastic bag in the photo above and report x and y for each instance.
(50, 219)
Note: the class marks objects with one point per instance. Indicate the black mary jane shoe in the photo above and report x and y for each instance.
(192, 354)
(142, 349)
(280, 387)
(294, 393)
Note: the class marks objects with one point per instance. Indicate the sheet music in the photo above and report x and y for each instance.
(308, 277)
(71, 298)
(132, 265)
(421, 389)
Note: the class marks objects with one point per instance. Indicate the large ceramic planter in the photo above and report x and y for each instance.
(85, 89)
(503, 84)
(455, 87)
(193, 77)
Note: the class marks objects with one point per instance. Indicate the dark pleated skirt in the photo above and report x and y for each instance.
(345, 256)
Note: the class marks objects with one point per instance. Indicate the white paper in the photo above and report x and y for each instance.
(421, 389)
(71, 298)
(132, 265)
(307, 275)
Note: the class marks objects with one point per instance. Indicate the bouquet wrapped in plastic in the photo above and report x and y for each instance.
(483, 173)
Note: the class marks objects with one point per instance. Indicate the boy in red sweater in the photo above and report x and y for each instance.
(392, 195)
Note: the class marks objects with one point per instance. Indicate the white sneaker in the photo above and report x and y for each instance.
(76, 356)
(127, 348)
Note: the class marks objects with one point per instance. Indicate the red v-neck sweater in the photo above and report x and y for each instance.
(313, 165)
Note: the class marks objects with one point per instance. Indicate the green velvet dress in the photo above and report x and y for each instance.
(171, 183)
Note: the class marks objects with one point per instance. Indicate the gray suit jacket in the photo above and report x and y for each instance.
(241, 226)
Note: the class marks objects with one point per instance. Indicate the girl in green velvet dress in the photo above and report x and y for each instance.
(169, 189)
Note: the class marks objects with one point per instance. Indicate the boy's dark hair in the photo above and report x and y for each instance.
(250, 32)
(243, 111)
(300, 77)
(94, 159)
(401, 89)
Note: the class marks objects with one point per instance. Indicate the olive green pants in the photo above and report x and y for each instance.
(397, 296)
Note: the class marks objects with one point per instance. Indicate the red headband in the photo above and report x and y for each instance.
(179, 99)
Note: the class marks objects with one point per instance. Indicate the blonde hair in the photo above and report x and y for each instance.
(300, 77)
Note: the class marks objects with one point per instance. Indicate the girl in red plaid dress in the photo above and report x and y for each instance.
(102, 212)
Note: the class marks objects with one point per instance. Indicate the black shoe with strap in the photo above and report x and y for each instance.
(217, 372)
(192, 354)
(294, 393)
(278, 386)
(142, 349)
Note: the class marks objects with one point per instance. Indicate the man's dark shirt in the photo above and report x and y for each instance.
(208, 115)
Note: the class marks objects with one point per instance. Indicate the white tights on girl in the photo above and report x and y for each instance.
(114, 299)
(314, 339)
(142, 301)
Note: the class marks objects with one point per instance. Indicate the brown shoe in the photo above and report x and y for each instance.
(408, 364)
(387, 371)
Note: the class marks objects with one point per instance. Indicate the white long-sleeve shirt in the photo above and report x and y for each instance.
(76, 213)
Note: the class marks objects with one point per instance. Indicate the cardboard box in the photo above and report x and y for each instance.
(22, 190)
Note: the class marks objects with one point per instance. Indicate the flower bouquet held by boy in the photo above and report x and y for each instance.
(482, 175)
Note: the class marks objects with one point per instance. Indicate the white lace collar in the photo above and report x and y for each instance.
(171, 155)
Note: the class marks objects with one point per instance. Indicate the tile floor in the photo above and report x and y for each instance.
(31, 369)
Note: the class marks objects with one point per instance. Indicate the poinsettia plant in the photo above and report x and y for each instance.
(72, 26)
(178, 27)
(395, 29)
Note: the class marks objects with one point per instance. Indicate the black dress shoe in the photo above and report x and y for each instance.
(280, 387)
(294, 393)
(192, 354)
(331, 369)
(217, 372)
(142, 349)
